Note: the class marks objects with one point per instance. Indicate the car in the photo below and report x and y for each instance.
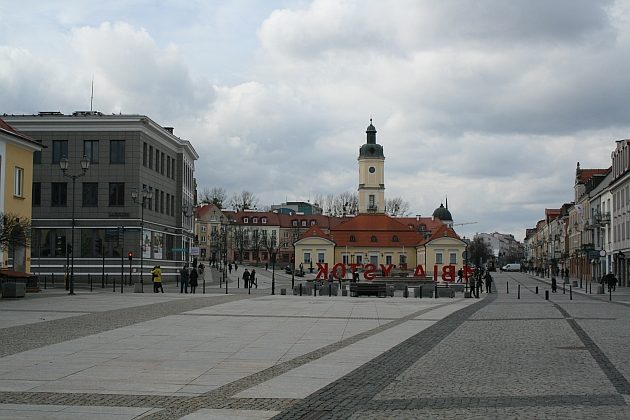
(287, 269)
(511, 267)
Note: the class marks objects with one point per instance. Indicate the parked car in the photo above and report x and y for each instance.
(511, 267)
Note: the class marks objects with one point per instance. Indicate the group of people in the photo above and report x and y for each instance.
(477, 280)
(249, 279)
(610, 280)
(188, 277)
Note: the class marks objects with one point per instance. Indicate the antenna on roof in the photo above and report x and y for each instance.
(92, 96)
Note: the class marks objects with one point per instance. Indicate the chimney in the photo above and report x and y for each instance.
(169, 129)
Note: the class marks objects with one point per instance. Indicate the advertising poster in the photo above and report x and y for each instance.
(158, 244)
(146, 243)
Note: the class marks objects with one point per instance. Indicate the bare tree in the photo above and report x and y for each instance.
(396, 207)
(14, 231)
(215, 195)
(243, 201)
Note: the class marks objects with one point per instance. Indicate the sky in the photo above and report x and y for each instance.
(490, 103)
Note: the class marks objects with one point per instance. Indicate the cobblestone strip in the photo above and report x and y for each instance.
(353, 392)
(30, 336)
(258, 316)
(498, 401)
(110, 400)
(219, 398)
(619, 381)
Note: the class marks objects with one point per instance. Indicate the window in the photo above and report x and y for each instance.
(145, 158)
(18, 182)
(157, 200)
(90, 194)
(90, 150)
(162, 163)
(173, 206)
(168, 203)
(168, 166)
(320, 257)
(438, 258)
(116, 194)
(353, 238)
(117, 151)
(263, 220)
(157, 160)
(254, 219)
(294, 222)
(245, 219)
(388, 259)
(37, 157)
(37, 194)
(372, 201)
(162, 202)
(59, 194)
(303, 223)
(373, 239)
(150, 157)
(307, 257)
(453, 258)
(60, 150)
(395, 238)
(312, 222)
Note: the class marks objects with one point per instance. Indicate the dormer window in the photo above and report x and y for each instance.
(373, 239)
(245, 219)
(423, 227)
(395, 238)
(303, 223)
(312, 222)
(263, 220)
(353, 238)
(254, 219)
(294, 222)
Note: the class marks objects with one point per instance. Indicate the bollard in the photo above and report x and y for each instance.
(590, 288)
(435, 291)
(406, 292)
(238, 282)
(609, 294)
(90, 280)
(420, 292)
(204, 285)
(45, 280)
(536, 289)
(300, 289)
(507, 288)
(546, 294)
(329, 290)
(249, 289)
(563, 291)
(570, 292)
(102, 281)
(518, 293)
(226, 286)
(52, 277)
(113, 284)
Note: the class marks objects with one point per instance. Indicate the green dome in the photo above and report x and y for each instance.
(443, 214)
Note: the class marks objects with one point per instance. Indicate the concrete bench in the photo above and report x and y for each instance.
(13, 290)
(368, 289)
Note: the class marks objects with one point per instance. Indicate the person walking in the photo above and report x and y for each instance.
(460, 275)
(488, 282)
(612, 282)
(479, 284)
(230, 268)
(554, 285)
(183, 279)
(235, 267)
(193, 280)
(252, 278)
(246, 278)
(156, 273)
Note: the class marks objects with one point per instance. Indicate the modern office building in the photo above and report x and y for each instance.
(136, 195)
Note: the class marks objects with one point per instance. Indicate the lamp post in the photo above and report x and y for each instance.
(63, 165)
(141, 198)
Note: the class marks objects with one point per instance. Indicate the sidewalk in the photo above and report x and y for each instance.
(589, 288)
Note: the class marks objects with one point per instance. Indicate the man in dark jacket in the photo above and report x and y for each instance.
(183, 279)
(246, 278)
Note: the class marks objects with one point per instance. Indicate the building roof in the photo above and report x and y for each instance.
(582, 175)
(441, 232)
(443, 214)
(7, 129)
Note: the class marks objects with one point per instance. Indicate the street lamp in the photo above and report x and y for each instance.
(141, 198)
(63, 165)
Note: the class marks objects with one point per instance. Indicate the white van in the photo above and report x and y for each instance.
(511, 267)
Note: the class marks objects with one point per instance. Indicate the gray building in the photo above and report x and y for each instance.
(128, 154)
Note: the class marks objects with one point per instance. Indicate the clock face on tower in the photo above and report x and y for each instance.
(372, 169)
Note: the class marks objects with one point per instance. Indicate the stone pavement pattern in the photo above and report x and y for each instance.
(259, 356)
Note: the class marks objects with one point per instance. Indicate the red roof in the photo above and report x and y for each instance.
(6, 128)
(315, 232)
(586, 174)
(441, 232)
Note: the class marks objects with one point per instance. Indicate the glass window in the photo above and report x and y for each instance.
(157, 160)
(320, 257)
(162, 201)
(245, 220)
(439, 258)
(59, 197)
(254, 219)
(168, 166)
(162, 163)
(150, 157)
(373, 238)
(145, 158)
(37, 158)
(59, 150)
(117, 151)
(263, 220)
(90, 194)
(307, 257)
(453, 258)
(90, 150)
(37, 194)
(303, 223)
(371, 204)
(388, 259)
(116, 194)
(168, 203)
(18, 182)
(157, 200)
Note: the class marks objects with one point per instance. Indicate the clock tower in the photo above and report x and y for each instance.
(371, 175)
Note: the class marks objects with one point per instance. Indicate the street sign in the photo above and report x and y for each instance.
(194, 250)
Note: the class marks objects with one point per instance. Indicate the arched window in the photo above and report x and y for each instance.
(373, 239)
(353, 238)
(395, 238)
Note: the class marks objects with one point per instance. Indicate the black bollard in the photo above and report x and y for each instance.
(546, 294)
(570, 292)
(536, 289)
(329, 290)
(563, 291)
(52, 278)
(435, 291)
(420, 292)
(609, 294)
(590, 288)
(90, 280)
(300, 289)
(113, 284)
(238, 282)
(204, 285)
(518, 294)
(226, 286)
(45, 280)
(406, 292)
(507, 288)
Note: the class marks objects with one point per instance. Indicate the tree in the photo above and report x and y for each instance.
(243, 201)
(215, 195)
(338, 205)
(14, 231)
(479, 251)
(396, 207)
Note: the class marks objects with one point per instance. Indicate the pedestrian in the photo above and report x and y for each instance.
(252, 278)
(246, 278)
(235, 267)
(460, 275)
(156, 274)
(479, 284)
(612, 282)
(554, 285)
(183, 279)
(201, 267)
(488, 282)
(266, 266)
(230, 268)
(193, 280)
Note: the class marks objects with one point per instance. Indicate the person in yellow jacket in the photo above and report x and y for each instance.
(156, 273)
